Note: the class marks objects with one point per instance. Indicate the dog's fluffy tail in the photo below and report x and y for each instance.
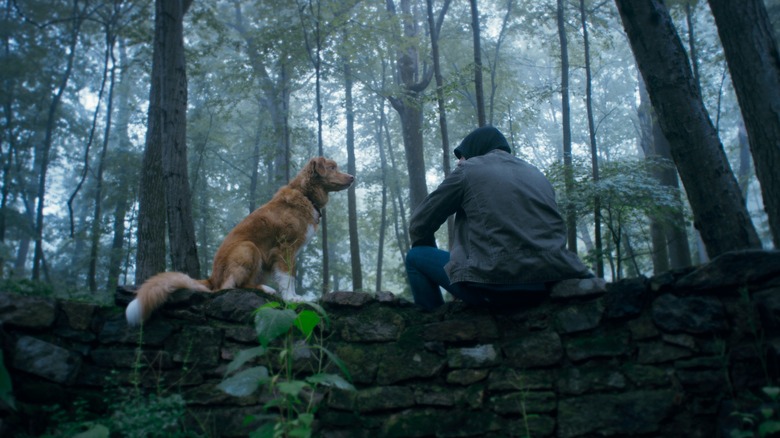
(153, 293)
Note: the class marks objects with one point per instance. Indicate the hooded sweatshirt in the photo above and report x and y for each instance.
(481, 141)
(508, 229)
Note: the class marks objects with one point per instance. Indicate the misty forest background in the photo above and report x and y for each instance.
(92, 173)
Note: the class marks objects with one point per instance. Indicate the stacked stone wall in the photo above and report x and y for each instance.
(671, 355)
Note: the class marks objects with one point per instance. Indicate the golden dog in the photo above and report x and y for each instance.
(267, 241)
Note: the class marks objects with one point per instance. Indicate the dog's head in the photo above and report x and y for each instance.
(326, 173)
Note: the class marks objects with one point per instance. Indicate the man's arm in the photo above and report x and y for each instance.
(436, 208)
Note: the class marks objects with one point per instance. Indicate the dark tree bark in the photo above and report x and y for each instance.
(409, 104)
(98, 196)
(594, 152)
(383, 213)
(478, 92)
(165, 183)
(45, 149)
(445, 138)
(752, 56)
(719, 213)
(669, 234)
(743, 171)
(8, 139)
(150, 252)
(694, 55)
(493, 65)
(200, 193)
(181, 228)
(570, 214)
(354, 242)
(316, 58)
(399, 212)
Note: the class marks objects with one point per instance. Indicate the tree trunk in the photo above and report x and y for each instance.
(9, 139)
(694, 55)
(478, 92)
(494, 68)
(668, 233)
(98, 198)
(254, 179)
(45, 149)
(674, 226)
(409, 104)
(354, 242)
(753, 60)
(383, 213)
(200, 195)
(743, 171)
(150, 251)
(570, 214)
(594, 152)
(445, 138)
(173, 101)
(317, 61)
(399, 212)
(164, 192)
(719, 213)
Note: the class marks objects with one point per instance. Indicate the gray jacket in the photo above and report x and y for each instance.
(507, 226)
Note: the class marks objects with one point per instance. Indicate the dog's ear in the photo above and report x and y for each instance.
(318, 166)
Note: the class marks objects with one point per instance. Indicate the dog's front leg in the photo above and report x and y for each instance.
(286, 283)
(260, 282)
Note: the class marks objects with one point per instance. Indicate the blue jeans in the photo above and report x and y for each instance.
(425, 270)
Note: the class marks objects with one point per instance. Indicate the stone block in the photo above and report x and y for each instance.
(599, 345)
(398, 364)
(46, 360)
(79, 315)
(528, 402)
(732, 270)
(236, 305)
(656, 352)
(647, 376)
(619, 414)
(579, 317)
(456, 330)
(197, 345)
(690, 314)
(466, 376)
(480, 356)
(578, 288)
(509, 379)
(538, 349)
(371, 325)
(27, 311)
(347, 299)
(154, 332)
(627, 298)
(374, 399)
(590, 378)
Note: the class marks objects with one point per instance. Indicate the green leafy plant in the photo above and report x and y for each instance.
(518, 383)
(286, 332)
(6, 387)
(765, 422)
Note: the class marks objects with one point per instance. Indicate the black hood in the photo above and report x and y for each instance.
(481, 141)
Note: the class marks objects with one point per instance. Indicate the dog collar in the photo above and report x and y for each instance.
(316, 210)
